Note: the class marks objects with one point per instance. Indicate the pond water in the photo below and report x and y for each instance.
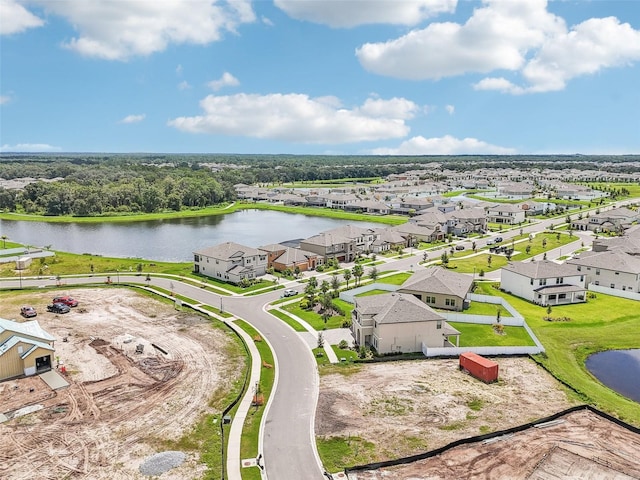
(619, 370)
(171, 240)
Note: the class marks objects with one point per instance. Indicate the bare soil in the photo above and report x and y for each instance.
(121, 405)
(581, 445)
(399, 409)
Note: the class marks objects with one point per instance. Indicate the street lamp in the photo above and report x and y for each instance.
(118, 274)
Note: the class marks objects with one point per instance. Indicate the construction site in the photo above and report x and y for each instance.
(139, 372)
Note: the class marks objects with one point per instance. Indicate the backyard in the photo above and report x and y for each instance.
(602, 323)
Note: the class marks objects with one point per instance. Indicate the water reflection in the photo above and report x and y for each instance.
(619, 370)
(170, 240)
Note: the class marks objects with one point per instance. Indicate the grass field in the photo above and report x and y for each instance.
(476, 335)
(315, 319)
(603, 323)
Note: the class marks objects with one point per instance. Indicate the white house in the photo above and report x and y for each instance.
(544, 283)
(613, 269)
(506, 214)
(230, 262)
(399, 323)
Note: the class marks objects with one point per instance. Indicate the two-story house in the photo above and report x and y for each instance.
(230, 262)
(439, 288)
(399, 323)
(613, 269)
(331, 245)
(505, 213)
(544, 282)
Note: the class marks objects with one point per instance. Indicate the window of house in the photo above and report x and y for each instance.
(579, 268)
(439, 324)
(531, 281)
(543, 281)
(597, 282)
(552, 297)
(597, 271)
(196, 258)
(582, 278)
(613, 285)
(559, 280)
(447, 302)
(562, 296)
(617, 273)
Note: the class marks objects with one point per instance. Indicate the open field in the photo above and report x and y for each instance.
(580, 444)
(120, 407)
(389, 410)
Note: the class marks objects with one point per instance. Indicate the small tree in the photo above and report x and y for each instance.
(549, 309)
(489, 260)
(425, 256)
(473, 246)
(320, 340)
(481, 272)
(373, 274)
(335, 283)
(544, 242)
(528, 249)
(444, 258)
(357, 272)
(347, 276)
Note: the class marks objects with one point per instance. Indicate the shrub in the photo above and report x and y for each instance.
(343, 345)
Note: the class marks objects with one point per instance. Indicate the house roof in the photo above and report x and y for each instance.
(228, 251)
(349, 231)
(15, 339)
(398, 308)
(440, 281)
(30, 329)
(294, 255)
(613, 260)
(326, 239)
(549, 289)
(542, 269)
(505, 207)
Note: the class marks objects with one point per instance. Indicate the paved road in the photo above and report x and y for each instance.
(288, 442)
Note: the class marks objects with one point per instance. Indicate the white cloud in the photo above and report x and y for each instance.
(350, 13)
(299, 118)
(227, 80)
(133, 118)
(29, 147)
(446, 145)
(4, 99)
(15, 18)
(179, 70)
(450, 109)
(184, 85)
(496, 37)
(520, 37)
(119, 30)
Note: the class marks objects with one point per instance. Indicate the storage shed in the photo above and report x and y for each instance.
(479, 367)
(23, 263)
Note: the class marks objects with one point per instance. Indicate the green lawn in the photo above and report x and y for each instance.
(476, 335)
(481, 261)
(315, 319)
(395, 279)
(371, 292)
(603, 323)
(482, 308)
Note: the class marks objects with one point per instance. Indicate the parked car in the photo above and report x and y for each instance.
(58, 308)
(490, 242)
(289, 292)
(69, 301)
(459, 247)
(28, 311)
(498, 239)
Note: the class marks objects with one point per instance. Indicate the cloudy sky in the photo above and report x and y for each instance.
(388, 77)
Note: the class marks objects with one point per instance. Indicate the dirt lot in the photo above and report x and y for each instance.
(580, 445)
(399, 409)
(119, 403)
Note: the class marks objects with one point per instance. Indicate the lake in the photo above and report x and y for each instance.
(171, 240)
(619, 370)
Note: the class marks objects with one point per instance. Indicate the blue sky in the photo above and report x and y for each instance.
(320, 76)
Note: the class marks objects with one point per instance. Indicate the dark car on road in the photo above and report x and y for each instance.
(459, 247)
(498, 239)
(28, 311)
(58, 308)
(69, 301)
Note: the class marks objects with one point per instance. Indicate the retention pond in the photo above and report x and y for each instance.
(619, 370)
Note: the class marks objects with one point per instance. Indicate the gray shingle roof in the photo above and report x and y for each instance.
(613, 260)
(397, 308)
(228, 250)
(542, 269)
(439, 280)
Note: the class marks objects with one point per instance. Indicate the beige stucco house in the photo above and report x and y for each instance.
(399, 323)
(439, 288)
(230, 262)
(25, 349)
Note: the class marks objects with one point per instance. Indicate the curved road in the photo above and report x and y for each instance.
(288, 440)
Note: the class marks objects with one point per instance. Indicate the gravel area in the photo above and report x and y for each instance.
(162, 462)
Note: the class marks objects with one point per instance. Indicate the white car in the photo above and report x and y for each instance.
(490, 242)
(289, 292)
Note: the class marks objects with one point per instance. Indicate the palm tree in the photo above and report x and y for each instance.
(357, 273)
(324, 287)
(335, 283)
(347, 276)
